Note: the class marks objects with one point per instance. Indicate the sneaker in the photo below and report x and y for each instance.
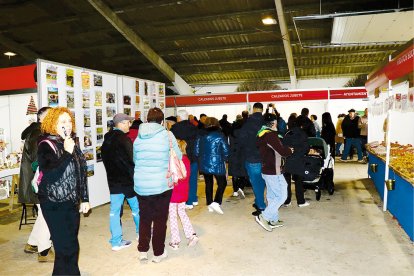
(158, 259)
(123, 244)
(137, 238)
(195, 203)
(287, 204)
(216, 208)
(189, 207)
(304, 204)
(344, 160)
(193, 240)
(28, 248)
(50, 257)
(210, 209)
(257, 212)
(174, 246)
(235, 194)
(143, 256)
(241, 193)
(263, 223)
(275, 224)
(362, 161)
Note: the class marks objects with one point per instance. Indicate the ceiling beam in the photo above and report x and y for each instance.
(141, 45)
(286, 42)
(18, 49)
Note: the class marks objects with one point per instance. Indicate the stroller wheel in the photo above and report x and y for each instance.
(331, 191)
(318, 194)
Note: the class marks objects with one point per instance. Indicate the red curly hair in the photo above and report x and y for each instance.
(50, 122)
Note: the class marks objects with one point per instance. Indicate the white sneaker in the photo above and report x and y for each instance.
(235, 194)
(195, 203)
(241, 193)
(193, 240)
(123, 244)
(287, 205)
(143, 256)
(210, 209)
(189, 207)
(304, 204)
(158, 259)
(216, 208)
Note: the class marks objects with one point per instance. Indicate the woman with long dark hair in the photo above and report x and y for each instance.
(328, 132)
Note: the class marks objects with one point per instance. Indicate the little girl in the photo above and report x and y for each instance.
(177, 205)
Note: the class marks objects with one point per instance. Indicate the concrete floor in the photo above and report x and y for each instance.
(343, 234)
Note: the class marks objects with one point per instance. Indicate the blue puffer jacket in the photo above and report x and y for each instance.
(151, 156)
(212, 151)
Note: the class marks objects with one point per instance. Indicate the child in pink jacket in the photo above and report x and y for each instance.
(177, 205)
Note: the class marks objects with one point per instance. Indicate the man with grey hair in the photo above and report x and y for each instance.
(184, 130)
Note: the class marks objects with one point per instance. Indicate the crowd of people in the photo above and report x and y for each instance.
(255, 150)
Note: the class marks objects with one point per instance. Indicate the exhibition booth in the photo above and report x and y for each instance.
(93, 96)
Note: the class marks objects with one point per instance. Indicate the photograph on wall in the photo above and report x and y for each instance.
(162, 106)
(404, 102)
(161, 90)
(109, 125)
(85, 80)
(137, 115)
(51, 75)
(137, 99)
(98, 154)
(87, 138)
(99, 134)
(127, 100)
(110, 111)
(52, 96)
(70, 99)
(145, 88)
(110, 97)
(69, 77)
(146, 104)
(127, 111)
(85, 99)
(98, 98)
(137, 86)
(86, 118)
(397, 102)
(411, 99)
(97, 80)
(90, 170)
(88, 153)
(98, 116)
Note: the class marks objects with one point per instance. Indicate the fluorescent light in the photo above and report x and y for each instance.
(9, 54)
(269, 21)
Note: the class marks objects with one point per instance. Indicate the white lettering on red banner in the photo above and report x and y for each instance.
(212, 99)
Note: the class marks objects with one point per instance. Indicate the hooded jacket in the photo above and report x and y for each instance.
(117, 159)
(151, 156)
(29, 155)
(212, 151)
(247, 136)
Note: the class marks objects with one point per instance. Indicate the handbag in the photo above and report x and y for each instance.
(39, 174)
(176, 167)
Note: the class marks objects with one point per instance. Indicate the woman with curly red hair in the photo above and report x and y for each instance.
(62, 187)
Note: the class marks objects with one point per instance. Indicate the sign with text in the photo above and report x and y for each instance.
(278, 96)
(358, 93)
(208, 99)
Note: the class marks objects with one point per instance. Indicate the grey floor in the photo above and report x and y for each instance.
(343, 234)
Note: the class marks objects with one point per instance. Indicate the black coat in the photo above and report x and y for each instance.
(307, 125)
(248, 137)
(328, 134)
(236, 158)
(29, 155)
(186, 131)
(225, 127)
(350, 127)
(117, 156)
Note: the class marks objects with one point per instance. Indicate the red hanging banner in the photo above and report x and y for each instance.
(21, 77)
(278, 96)
(357, 93)
(207, 100)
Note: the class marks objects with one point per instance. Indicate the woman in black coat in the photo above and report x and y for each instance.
(328, 132)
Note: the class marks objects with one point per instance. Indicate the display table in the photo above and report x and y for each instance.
(401, 199)
(15, 181)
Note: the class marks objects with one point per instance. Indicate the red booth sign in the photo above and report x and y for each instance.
(288, 96)
(358, 93)
(15, 78)
(210, 99)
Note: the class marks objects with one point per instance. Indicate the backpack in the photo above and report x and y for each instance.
(37, 178)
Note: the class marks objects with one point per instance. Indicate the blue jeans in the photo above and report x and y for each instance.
(254, 171)
(117, 200)
(192, 193)
(356, 142)
(276, 195)
(337, 148)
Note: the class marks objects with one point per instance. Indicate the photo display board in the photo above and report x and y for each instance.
(95, 97)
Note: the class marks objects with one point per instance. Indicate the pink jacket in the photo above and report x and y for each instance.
(180, 191)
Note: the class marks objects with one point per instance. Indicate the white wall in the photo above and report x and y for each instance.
(14, 119)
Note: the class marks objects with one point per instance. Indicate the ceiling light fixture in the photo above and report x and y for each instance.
(9, 54)
(269, 21)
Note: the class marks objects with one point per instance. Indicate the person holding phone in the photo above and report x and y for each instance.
(63, 192)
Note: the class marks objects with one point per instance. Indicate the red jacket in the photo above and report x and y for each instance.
(132, 134)
(180, 191)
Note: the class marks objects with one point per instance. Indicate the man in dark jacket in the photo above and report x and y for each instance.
(351, 133)
(117, 157)
(39, 239)
(271, 150)
(225, 125)
(307, 124)
(184, 130)
(253, 163)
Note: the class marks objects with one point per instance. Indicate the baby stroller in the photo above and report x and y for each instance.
(319, 153)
